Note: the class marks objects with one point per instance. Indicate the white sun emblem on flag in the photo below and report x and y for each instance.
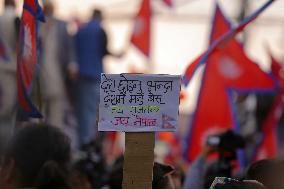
(229, 68)
(27, 51)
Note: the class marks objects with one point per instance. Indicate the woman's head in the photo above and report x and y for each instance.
(10, 3)
(240, 185)
(269, 172)
(235, 184)
(162, 176)
(37, 156)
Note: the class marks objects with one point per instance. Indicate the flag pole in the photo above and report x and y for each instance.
(139, 153)
(151, 65)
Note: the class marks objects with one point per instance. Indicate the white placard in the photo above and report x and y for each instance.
(139, 102)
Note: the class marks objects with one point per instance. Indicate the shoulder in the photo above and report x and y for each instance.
(61, 23)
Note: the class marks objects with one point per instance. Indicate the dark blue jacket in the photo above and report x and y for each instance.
(91, 47)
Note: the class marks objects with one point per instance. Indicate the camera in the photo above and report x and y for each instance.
(227, 144)
(227, 141)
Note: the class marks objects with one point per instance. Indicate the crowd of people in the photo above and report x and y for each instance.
(66, 88)
(45, 155)
(40, 156)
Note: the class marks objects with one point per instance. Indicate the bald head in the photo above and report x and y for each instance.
(48, 8)
(10, 3)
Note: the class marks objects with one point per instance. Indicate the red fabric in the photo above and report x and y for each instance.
(135, 70)
(32, 4)
(2, 49)
(168, 2)
(141, 37)
(191, 69)
(182, 95)
(268, 147)
(27, 56)
(226, 68)
(112, 146)
(277, 70)
(175, 149)
(224, 39)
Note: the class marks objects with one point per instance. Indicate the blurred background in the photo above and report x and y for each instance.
(179, 33)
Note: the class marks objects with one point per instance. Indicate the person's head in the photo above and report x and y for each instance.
(9, 3)
(79, 179)
(162, 177)
(37, 156)
(178, 178)
(97, 14)
(268, 172)
(48, 7)
(116, 175)
(240, 185)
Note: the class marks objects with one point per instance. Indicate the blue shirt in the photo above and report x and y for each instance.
(196, 174)
(91, 47)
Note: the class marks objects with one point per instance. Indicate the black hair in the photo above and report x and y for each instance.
(42, 156)
(97, 14)
(9, 3)
(160, 172)
(116, 175)
(160, 176)
(239, 185)
(79, 179)
(269, 172)
(258, 170)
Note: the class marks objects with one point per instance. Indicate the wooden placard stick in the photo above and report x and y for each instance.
(139, 105)
(138, 160)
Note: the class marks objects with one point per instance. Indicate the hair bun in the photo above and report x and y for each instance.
(52, 176)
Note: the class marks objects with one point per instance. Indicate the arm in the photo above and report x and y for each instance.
(73, 67)
(105, 43)
(195, 175)
(105, 46)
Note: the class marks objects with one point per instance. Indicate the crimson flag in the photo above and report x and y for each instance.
(174, 146)
(141, 36)
(27, 56)
(277, 70)
(221, 41)
(227, 70)
(268, 147)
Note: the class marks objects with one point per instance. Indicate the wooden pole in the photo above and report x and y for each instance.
(138, 160)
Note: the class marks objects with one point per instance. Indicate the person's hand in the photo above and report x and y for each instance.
(120, 55)
(208, 150)
(72, 71)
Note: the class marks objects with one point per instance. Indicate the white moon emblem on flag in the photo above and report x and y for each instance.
(139, 25)
(229, 68)
(27, 51)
